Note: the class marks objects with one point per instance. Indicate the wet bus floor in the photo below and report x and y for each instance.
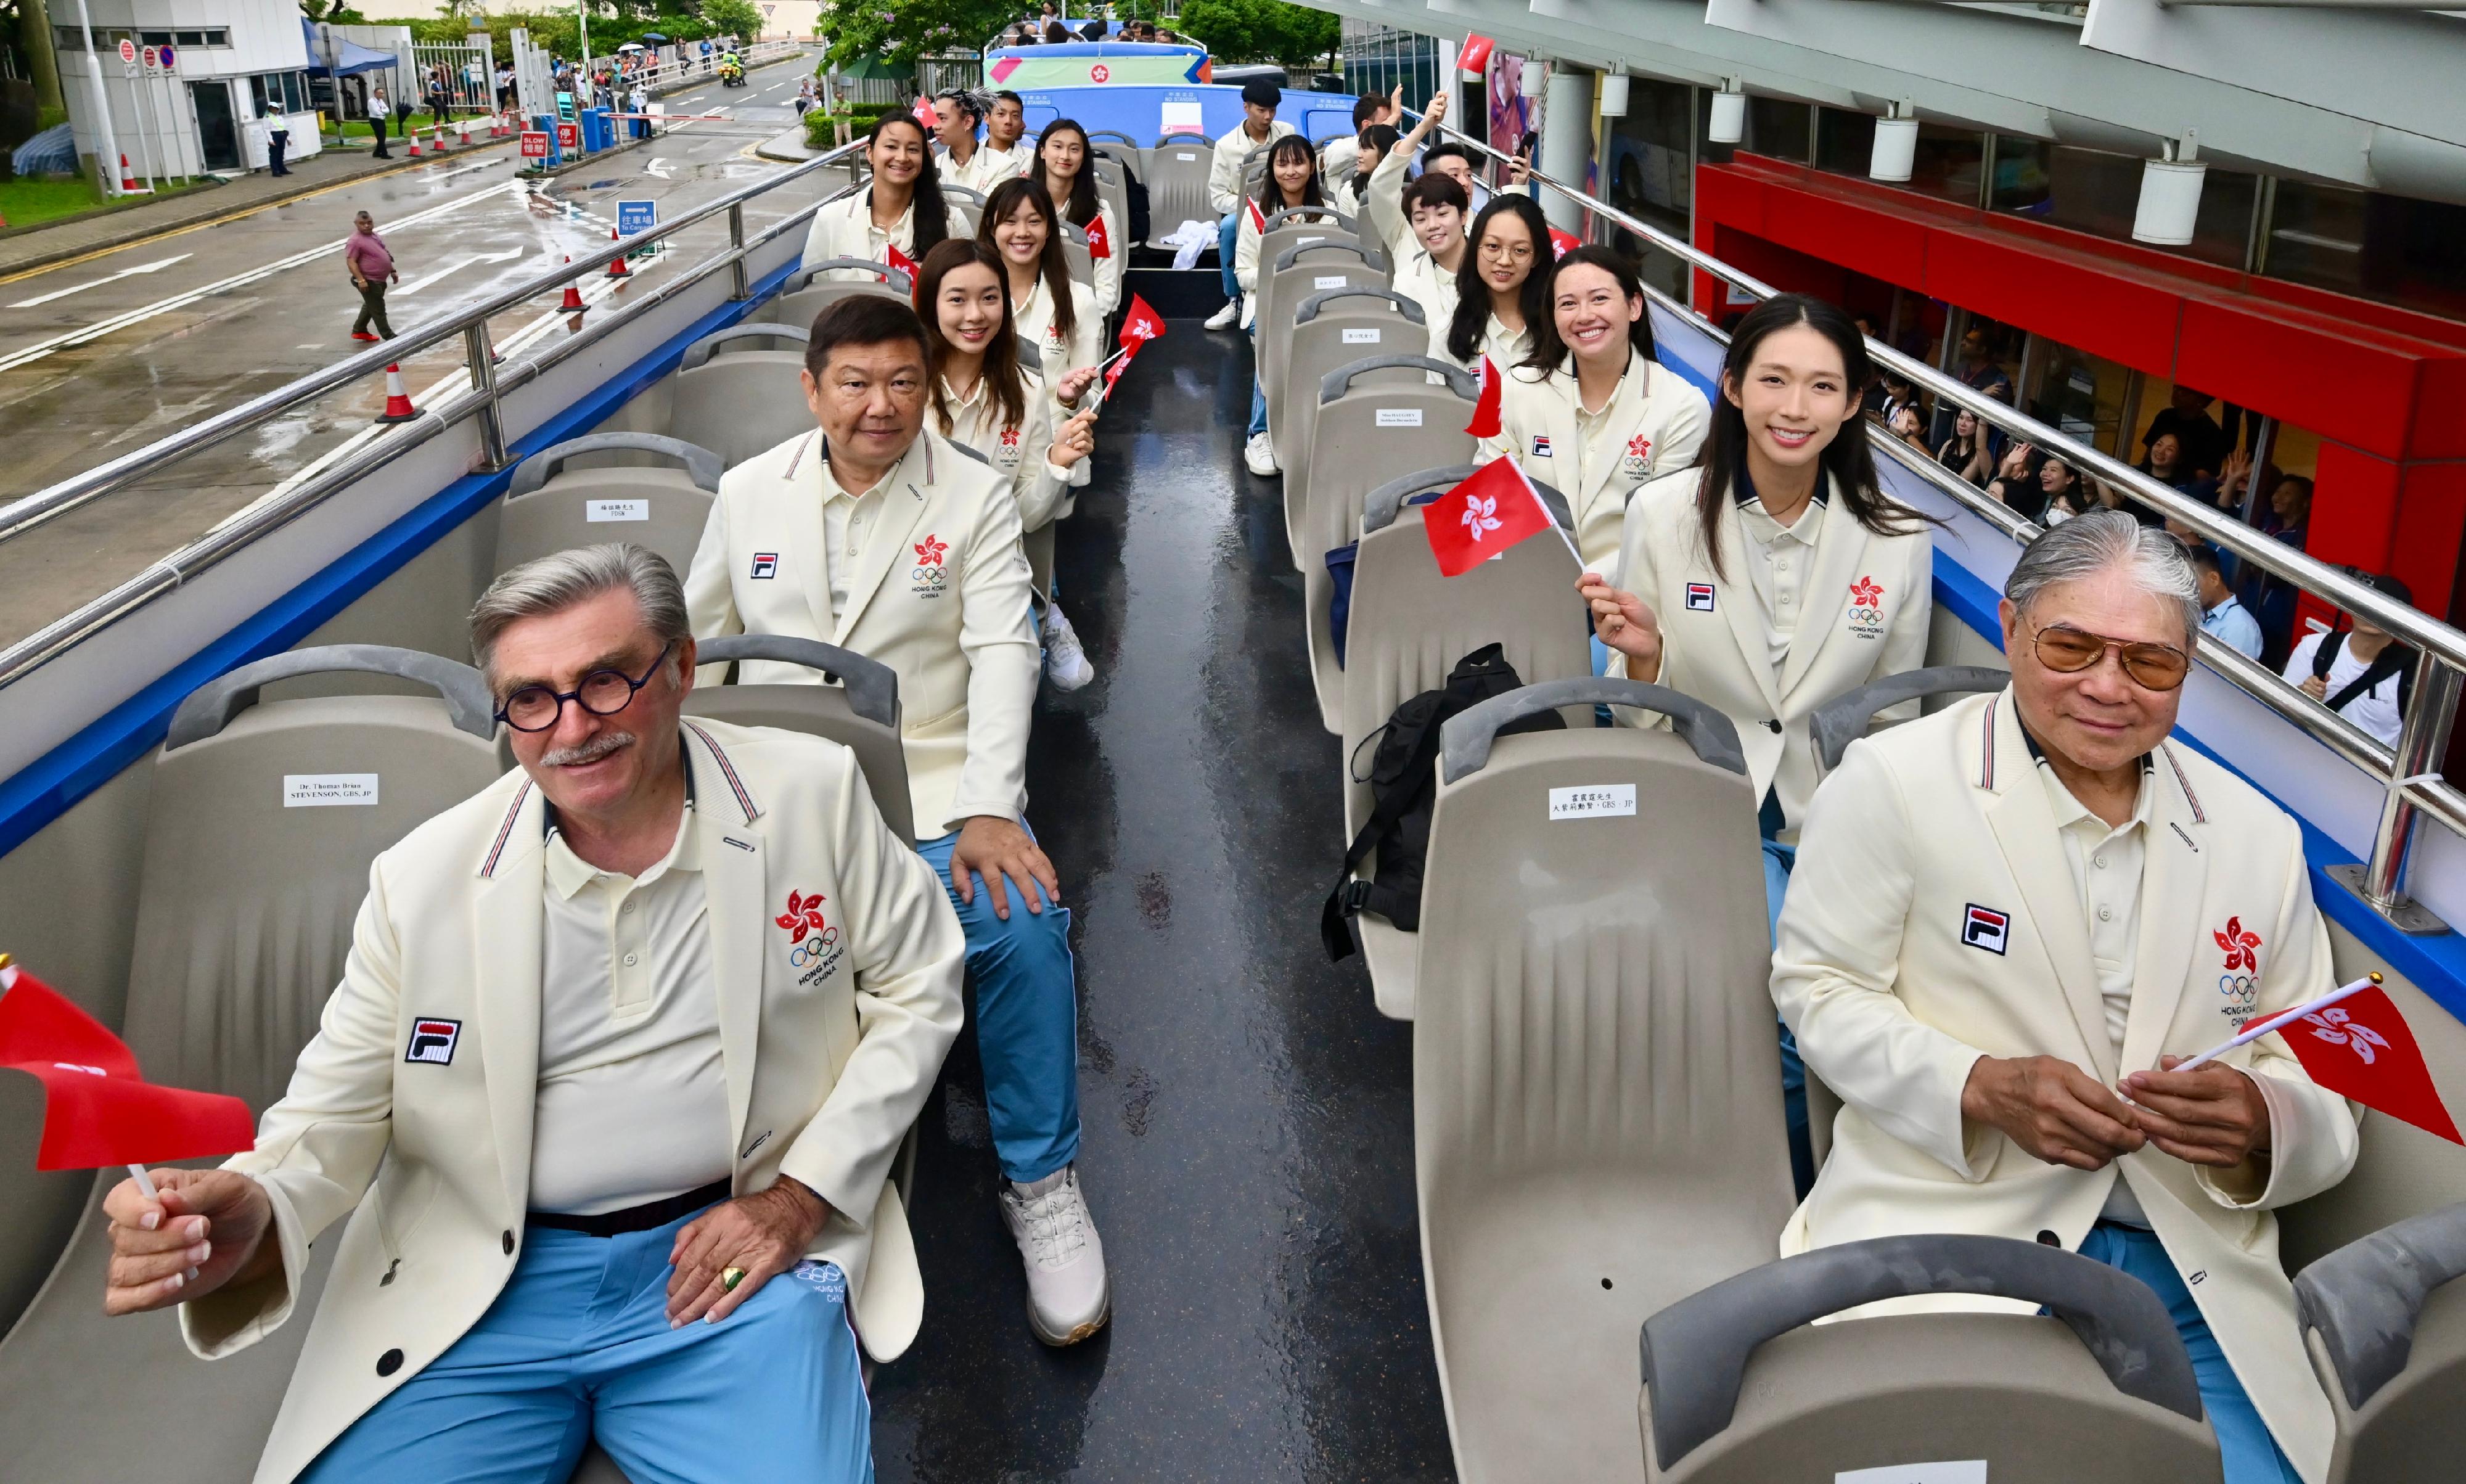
(1247, 1115)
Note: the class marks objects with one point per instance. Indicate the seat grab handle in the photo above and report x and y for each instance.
(701, 465)
(1695, 1351)
(803, 277)
(701, 349)
(872, 686)
(1380, 507)
(1844, 718)
(211, 706)
(1335, 383)
(1309, 309)
(1464, 739)
(2364, 1298)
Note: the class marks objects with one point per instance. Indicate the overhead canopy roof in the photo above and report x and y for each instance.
(348, 57)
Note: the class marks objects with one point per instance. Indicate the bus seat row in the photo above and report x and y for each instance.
(726, 395)
(807, 293)
(1176, 173)
(1334, 328)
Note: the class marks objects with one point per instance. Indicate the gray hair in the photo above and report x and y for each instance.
(552, 584)
(2089, 544)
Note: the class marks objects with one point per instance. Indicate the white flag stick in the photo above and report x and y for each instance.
(1547, 519)
(2259, 1028)
(145, 1183)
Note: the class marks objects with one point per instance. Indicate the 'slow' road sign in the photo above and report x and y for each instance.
(534, 144)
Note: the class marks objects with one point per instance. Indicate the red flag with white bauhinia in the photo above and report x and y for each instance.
(1258, 217)
(1140, 323)
(1561, 243)
(924, 114)
(1483, 516)
(1474, 54)
(98, 1109)
(2360, 1048)
(900, 261)
(1486, 411)
(1099, 242)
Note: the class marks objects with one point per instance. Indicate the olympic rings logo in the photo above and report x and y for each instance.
(812, 949)
(2241, 987)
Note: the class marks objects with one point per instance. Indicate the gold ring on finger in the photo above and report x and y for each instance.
(729, 1277)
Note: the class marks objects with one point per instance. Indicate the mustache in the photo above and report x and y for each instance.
(590, 752)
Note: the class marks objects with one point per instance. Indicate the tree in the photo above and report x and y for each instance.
(1260, 30)
(738, 18)
(901, 30)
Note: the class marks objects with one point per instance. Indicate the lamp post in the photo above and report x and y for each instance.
(110, 161)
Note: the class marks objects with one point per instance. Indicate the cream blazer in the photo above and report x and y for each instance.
(428, 1162)
(1895, 987)
(1107, 287)
(1504, 346)
(939, 592)
(1245, 263)
(1017, 454)
(1225, 182)
(1659, 419)
(985, 169)
(1032, 319)
(1712, 644)
(844, 229)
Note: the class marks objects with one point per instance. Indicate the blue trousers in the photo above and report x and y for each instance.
(2251, 1456)
(1229, 237)
(578, 1345)
(1258, 392)
(1777, 860)
(1027, 1023)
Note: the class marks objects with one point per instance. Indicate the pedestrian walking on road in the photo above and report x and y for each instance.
(278, 139)
(380, 114)
(372, 266)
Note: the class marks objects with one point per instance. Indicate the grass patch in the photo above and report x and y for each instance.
(25, 203)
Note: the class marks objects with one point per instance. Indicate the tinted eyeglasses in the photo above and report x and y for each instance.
(601, 693)
(2068, 651)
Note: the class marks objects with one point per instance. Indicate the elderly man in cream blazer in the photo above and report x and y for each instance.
(873, 534)
(2005, 929)
(607, 1097)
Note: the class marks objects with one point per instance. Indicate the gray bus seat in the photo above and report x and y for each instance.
(1331, 327)
(1409, 626)
(2385, 1324)
(642, 487)
(860, 711)
(1123, 150)
(1074, 254)
(261, 825)
(1365, 433)
(1742, 1385)
(969, 203)
(1301, 270)
(1295, 423)
(1846, 718)
(742, 403)
(807, 293)
(1115, 195)
(1176, 179)
(1597, 1131)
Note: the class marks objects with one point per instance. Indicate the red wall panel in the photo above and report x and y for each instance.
(2340, 387)
(2103, 313)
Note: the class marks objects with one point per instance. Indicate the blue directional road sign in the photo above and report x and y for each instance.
(632, 217)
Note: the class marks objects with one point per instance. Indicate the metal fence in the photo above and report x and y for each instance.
(462, 73)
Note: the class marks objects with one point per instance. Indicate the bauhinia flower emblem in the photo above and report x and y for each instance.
(2337, 1028)
(1481, 514)
(805, 915)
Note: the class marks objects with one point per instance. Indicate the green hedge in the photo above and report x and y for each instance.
(817, 124)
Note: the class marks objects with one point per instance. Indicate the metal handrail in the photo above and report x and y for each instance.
(482, 399)
(2408, 779)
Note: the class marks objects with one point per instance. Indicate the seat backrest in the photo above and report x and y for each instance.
(307, 791)
(1115, 194)
(640, 487)
(1376, 415)
(806, 293)
(1597, 1112)
(1123, 150)
(2385, 1319)
(738, 401)
(1177, 185)
(856, 705)
(1292, 274)
(1409, 623)
(1742, 1385)
(1334, 328)
(1846, 718)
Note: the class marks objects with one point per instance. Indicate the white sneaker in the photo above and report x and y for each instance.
(1068, 1296)
(1065, 658)
(1259, 454)
(1222, 319)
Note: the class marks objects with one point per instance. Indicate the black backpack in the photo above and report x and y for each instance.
(2396, 659)
(1403, 784)
(1138, 198)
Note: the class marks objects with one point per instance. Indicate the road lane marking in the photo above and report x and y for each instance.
(456, 264)
(119, 321)
(80, 288)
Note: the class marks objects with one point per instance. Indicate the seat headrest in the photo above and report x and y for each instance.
(701, 350)
(803, 277)
(1332, 386)
(2364, 1298)
(700, 463)
(211, 706)
(1309, 309)
(872, 686)
(1844, 718)
(1465, 738)
(1370, 256)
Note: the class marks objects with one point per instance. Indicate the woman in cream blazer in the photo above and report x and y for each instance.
(1592, 414)
(1051, 310)
(1502, 287)
(868, 224)
(1424, 234)
(1064, 168)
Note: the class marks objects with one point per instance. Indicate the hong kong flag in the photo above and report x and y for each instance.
(924, 114)
(1561, 243)
(1484, 411)
(901, 261)
(1258, 217)
(2360, 1048)
(1140, 323)
(97, 1109)
(1099, 242)
(1473, 56)
(1483, 516)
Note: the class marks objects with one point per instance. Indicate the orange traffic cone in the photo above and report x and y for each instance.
(414, 143)
(128, 182)
(397, 408)
(617, 268)
(573, 303)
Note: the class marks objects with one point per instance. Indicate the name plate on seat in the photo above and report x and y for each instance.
(1306, 242)
(1970, 1470)
(1361, 337)
(328, 790)
(1398, 417)
(1597, 802)
(596, 510)
(1328, 281)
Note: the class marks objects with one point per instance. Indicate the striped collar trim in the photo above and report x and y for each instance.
(2148, 760)
(719, 755)
(815, 440)
(728, 770)
(506, 830)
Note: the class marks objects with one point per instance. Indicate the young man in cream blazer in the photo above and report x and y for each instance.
(872, 533)
(2010, 920)
(563, 1132)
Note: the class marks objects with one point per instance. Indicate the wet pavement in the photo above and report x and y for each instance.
(102, 356)
(1247, 1145)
